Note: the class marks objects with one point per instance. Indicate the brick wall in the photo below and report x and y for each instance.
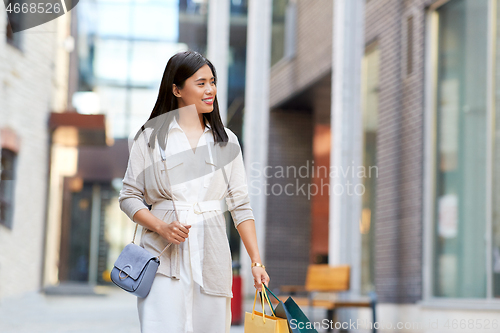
(305, 78)
(313, 57)
(398, 229)
(398, 245)
(25, 99)
(288, 216)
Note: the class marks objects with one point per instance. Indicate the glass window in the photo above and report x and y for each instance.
(370, 88)
(283, 30)
(140, 62)
(122, 55)
(460, 149)
(196, 7)
(111, 61)
(239, 7)
(496, 171)
(7, 182)
(151, 19)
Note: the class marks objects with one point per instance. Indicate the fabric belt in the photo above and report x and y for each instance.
(194, 210)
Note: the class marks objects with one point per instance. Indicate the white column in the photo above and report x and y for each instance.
(344, 246)
(256, 121)
(218, 48)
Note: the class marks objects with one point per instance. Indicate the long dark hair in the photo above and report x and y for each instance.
(180, 67)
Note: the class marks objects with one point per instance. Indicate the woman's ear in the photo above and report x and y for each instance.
(175, 90)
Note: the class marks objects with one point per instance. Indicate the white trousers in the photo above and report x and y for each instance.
(178, 306)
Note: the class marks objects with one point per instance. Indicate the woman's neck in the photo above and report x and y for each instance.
(189, 119)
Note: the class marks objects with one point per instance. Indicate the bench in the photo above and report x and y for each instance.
(326, 279)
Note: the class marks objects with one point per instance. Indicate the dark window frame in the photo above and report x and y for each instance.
(7, 186)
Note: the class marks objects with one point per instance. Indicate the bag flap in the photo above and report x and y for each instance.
(132, 260)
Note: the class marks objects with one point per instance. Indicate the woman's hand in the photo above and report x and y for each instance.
(174, 232)
(260, 276)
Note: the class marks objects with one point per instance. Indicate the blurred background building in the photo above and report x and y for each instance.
(33, 83)
(115, 71)
(399, 97)
(407, 87)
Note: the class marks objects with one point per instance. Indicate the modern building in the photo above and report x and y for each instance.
(389, 109)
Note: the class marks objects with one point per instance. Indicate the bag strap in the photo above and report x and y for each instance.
(262, 297)
(173, 201)
(158, 256)
(164, 159)
(269, 291)
(267, 295)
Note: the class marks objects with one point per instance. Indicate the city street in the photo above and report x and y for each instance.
(112, 311)
(109, 309)
(356, 150)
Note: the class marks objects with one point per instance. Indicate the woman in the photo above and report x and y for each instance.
(185, 153)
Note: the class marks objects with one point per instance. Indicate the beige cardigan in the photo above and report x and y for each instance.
(143, 181)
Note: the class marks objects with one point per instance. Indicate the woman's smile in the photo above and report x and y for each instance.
(208, 101)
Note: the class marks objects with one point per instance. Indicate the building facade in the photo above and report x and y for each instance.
(404, 93)
(33, 76)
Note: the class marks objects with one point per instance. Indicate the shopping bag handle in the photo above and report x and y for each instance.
(267, 297)
(262, 299)
(269, 291)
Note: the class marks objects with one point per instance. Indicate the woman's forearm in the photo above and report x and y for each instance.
(174, 232)
(246, 229)
(148, 220)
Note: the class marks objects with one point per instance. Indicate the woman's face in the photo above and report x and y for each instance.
(199, 89)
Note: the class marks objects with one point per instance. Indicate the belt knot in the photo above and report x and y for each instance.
(197, 208)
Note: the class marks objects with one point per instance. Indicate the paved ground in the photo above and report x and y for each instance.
(112, 310)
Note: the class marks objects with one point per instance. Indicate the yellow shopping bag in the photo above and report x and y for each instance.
(257, 322)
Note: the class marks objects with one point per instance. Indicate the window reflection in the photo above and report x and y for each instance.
(460, 197)
(370, 84)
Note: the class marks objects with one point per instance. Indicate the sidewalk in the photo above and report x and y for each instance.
(111, 310)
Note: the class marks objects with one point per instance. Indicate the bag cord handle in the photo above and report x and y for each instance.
(172, 193)
(263, 296)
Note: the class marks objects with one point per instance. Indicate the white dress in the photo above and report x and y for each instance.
(178, 306)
